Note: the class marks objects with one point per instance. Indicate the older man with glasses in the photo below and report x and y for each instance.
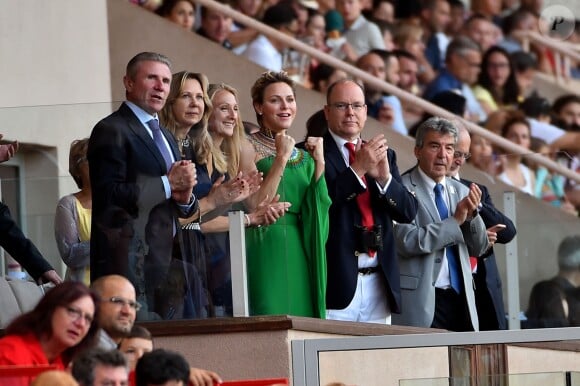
(500, 229)
(367, 196)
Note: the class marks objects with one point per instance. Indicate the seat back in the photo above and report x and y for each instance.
(17, 297)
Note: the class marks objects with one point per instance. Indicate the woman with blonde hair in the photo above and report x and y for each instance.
(186, 115)
(72, 222)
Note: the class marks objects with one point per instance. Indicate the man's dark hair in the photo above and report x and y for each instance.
(83, 369)
(399, 53)
(159, 366)
(523, 61)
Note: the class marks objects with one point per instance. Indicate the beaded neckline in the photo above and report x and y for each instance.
(265, 146)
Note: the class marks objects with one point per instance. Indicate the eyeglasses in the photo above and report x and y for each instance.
(118, 301)
(75, 314)
(459, 154)
(343, 106)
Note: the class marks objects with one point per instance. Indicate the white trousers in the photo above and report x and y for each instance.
(369, 303)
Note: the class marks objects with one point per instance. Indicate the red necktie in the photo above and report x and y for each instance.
(364, 199)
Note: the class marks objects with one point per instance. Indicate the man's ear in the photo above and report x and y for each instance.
(128, 83)
(416, 150)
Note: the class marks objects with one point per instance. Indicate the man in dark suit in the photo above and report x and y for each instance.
(367, 196)
(13, 240)
(500, 229)
(135, 167)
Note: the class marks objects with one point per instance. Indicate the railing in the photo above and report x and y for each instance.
(564, 52)
(387, 87)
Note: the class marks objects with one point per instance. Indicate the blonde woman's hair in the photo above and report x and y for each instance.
(202, 144)
(231, 147)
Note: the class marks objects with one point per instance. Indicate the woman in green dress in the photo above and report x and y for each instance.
(286, 260)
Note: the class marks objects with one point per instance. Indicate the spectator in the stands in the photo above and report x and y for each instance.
(133, 346)
(360, 33)
(53, 378)
(267, 51)
(482, 156)
(375, 65)
(99, 367)
(408, 81)
(566, 110)
(481, 30)
(324, 75)
(497, 86)
(409, 37)
(390, 111)
(382, 10)
(216, 26)
(457, 15)
(537, 109)
(180, 12)
(568, 276)
(547, 306)
(523, 20)
(525, 66)
(162, 367)
(491, 9)
(242, 35)
(435, 16)
(500, 229)
(61, 325)
(338, 46)
(463, 61)
(72, 220)
(386, 29)
(549, 185)
(515, 173)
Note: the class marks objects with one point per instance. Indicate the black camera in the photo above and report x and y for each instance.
(369, 239)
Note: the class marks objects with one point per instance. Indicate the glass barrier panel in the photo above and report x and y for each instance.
(534, 379)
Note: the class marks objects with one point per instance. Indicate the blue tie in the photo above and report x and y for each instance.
(452, 260)
(160, 143)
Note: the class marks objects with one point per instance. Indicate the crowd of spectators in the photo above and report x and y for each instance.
(423, 47)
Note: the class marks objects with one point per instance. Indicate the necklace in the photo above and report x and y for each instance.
(184, 142)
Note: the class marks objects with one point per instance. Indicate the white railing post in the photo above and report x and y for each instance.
(512, 268)
(238, 263)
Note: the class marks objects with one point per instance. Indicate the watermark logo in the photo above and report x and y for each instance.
(557, 21)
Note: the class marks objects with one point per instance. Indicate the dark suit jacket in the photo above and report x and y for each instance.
(19, 247)
(398, 205)
(488, 289)
(128, 237)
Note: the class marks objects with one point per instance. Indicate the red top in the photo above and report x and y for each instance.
(25, 350)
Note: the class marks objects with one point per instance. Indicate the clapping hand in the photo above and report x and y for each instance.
(468, 204)
(368, 156)
(182, 179)
(269, 211)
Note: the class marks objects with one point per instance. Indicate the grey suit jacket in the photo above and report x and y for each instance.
(420, 248)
